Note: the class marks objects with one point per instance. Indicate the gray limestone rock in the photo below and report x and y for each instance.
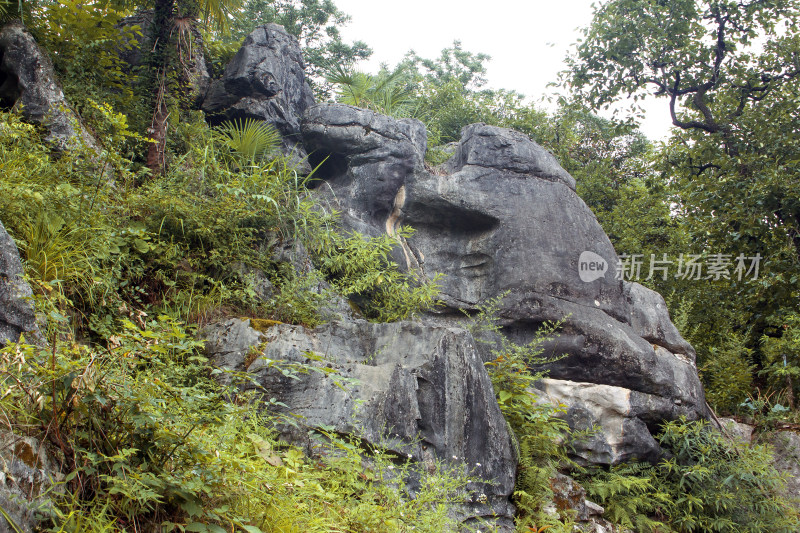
(649, 317)
(737, 431)
(16, 309)
(27, 474)
(28, 82)
(255, 280)
(569, 496)
(366, 158)
(610, 416)
(265, 80)
(569, 499)
(417, 390)
(508, 151)
(503, 218)
(229, 344)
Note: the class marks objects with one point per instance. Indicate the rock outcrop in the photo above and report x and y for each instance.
(28, 82)
(265, 80)
(385, 153)
(612, 416)
(417, 390)
(27, 477)
(16, 308)
(570, 498)
(502, 217)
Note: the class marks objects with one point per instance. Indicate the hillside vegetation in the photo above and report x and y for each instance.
(168, 224)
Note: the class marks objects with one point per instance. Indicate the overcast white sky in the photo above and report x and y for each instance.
(527, 39)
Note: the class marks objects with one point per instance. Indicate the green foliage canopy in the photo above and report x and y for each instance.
(729, 73)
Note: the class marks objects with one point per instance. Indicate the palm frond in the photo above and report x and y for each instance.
(219, 12)
(10, 9)
(384, 92)
(250, 139)
(353, 85)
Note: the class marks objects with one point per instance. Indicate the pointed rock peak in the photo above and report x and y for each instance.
(506, 150)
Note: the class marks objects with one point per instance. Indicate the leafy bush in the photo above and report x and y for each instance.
(362, 269)
(538, 432)
(728, 373)
(782, 357)
(86, 44)
(707, 484)
(150, 442)
(721, 485)
(629, 495)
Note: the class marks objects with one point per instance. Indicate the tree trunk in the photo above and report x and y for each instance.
(163, 20)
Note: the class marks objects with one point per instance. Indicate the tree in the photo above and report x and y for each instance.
(453, 64)
(173, 22)
(700, 55)
(730, 74)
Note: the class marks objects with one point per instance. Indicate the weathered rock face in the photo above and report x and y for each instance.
(27, 474)
(264, 81)
(570, 498)
(27, 81)
(740, 432)
(384, 151)
(612, 416)
(420, 391)
(16, 309)
(192, 59)
(503, 217)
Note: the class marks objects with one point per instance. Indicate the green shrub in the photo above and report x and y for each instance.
(362, 269)
(728, 373)
(150, 442)
(707, 484)
(538, 432)
(781, 353)
(86, 42)
(629, 495)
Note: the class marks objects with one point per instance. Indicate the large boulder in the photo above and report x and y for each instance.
(266, 81)
(16, 308)
(28, 83)
(419, 391)
(365, 156)
(610, 416)
(502, 217)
